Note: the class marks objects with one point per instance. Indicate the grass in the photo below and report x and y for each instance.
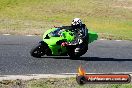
(56, 83)
(112, 19)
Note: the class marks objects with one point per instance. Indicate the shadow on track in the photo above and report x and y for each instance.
(89, 58)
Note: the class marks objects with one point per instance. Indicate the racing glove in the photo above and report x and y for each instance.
(80, 41)
(64, 44)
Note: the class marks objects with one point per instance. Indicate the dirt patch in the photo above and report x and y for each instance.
(126, 4)
(125, 7)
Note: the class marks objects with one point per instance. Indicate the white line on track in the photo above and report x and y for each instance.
(114, 40)
(33, 76)
(30, 35)
(118, 40)
(98, 73)
(6, 34)
(102, 39)
(38, 76)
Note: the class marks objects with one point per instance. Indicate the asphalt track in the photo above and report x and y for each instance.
(103, 56)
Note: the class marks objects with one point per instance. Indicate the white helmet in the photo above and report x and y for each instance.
(76, 21)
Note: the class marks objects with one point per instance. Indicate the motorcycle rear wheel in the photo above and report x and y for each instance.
(71, 52)
(74, 54)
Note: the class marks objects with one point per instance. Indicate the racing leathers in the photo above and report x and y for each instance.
(81, 38)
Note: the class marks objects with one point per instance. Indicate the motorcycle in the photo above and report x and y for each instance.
(56, 44)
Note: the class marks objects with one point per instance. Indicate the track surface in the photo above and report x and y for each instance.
(103, 56)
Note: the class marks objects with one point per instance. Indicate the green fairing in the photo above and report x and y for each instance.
(48, 31)
(53, 46)
(52, 41)
(92, 36)
(66, 36)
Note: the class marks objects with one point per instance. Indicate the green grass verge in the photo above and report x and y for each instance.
(112, 19)
(56, 83)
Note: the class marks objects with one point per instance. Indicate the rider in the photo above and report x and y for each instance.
(81, 32)
(81, 35)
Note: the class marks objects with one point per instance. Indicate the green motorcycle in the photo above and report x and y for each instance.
(53, 40)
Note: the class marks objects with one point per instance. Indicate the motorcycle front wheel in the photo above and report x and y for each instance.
(37, 51)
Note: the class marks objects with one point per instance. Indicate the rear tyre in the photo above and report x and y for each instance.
(38, 51)
(71, 52)
(74, 54)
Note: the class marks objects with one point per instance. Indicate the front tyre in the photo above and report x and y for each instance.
(37, 51)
